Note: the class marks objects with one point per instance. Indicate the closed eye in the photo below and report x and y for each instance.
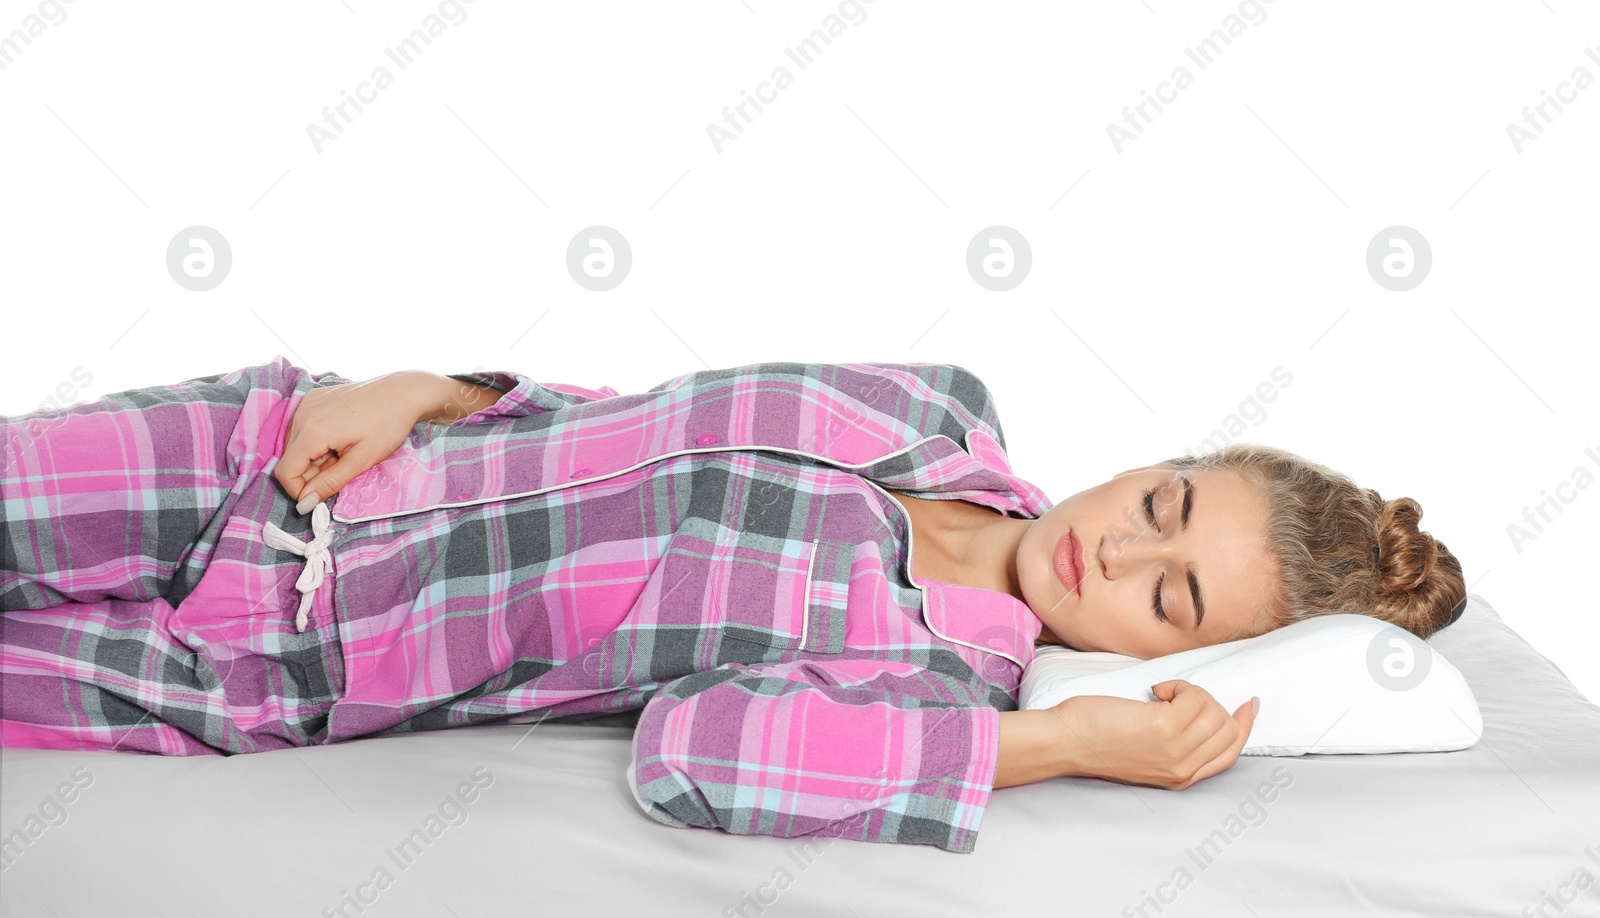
(1193, 578)
(1149, 507)
(1155, 595)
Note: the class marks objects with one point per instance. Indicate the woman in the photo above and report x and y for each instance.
(818, 584)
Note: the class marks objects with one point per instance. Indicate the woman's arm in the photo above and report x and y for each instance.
(1183, 736)
(445, 400)
(1035, 746)
(864, 749)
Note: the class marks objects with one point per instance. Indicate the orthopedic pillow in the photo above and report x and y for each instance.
(1334, 684)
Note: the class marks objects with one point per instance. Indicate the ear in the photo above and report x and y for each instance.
(1131, 471)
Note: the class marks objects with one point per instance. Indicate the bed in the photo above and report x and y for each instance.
(538, 819)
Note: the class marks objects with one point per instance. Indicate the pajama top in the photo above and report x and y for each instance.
(720, 550)
(719, 553)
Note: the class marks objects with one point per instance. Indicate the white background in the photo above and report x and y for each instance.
(1168, 280)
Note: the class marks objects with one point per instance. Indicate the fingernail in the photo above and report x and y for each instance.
(308, 502)
(1255, 705)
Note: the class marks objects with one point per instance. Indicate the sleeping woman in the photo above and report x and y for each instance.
(815, 586)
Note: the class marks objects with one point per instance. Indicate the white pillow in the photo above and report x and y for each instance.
(1334, 684)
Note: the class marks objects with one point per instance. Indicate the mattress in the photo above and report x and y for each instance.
(538, 819)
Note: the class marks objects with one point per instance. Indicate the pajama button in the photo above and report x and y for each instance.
(580, 473)
(707, 439)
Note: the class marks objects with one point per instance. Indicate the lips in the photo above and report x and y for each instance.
(1069, 562)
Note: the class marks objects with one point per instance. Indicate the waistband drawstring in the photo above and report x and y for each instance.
(319, 561)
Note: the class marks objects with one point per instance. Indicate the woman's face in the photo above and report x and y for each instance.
(1125, 555)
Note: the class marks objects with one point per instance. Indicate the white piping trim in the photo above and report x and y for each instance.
(638, 465)
(805, 601)
(922, 592)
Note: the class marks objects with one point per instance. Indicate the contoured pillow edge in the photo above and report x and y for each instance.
(1336, 684)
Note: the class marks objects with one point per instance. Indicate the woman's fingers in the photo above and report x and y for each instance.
(297, 451)
(338, 432)
(1226, 748)
(309, 496)
(1209, 735)
(301, 461)
(334, 473)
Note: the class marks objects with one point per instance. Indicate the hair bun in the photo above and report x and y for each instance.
(1406, 555)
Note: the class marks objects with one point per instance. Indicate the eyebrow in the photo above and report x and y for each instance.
(1188, 569)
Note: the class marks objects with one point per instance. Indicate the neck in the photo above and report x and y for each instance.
(982, 548)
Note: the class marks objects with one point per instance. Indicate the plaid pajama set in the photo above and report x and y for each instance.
(718, 553)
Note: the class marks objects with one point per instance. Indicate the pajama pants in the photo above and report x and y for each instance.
(140, 609)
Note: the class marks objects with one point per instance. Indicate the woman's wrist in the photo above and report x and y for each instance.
(442, 400)
(1036, 745)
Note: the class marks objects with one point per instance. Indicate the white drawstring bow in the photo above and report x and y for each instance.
(319, 562)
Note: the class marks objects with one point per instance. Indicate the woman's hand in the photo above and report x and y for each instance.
(1183, 737)
(338, 432)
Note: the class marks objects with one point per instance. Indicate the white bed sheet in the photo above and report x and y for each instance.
(1489, 830)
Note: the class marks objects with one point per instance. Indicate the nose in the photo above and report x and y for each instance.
(1122, 551)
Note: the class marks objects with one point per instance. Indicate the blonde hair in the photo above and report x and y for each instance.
(1340, 548)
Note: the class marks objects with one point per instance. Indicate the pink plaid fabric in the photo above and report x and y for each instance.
(139, 610)
(718, 553)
